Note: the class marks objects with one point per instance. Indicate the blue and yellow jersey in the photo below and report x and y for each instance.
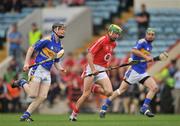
(47, 48)
(145, 47)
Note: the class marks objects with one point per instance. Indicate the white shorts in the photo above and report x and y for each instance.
(41, 75)
(98, 76)
(132, 77)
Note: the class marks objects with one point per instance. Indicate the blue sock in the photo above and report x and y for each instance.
(26, 115)
(146, 103)
(104, 107)
(22, 82)
(107, 103)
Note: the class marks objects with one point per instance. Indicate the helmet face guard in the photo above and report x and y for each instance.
(150, 34)
(114, 29)
(58, 25)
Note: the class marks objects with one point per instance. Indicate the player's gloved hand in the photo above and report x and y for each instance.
(26, 67)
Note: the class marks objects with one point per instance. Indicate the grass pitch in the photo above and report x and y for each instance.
(92, 120)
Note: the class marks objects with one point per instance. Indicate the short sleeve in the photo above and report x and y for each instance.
(139, 45)
(40, 44)
(96, 46)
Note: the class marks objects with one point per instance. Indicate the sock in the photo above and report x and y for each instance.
(146, 103)
(74, 114)
(22, 82)
(75, 111)
(104, 107)
(107, 103)
(26, 115)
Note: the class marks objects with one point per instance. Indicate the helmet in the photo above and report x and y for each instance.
(55, 25)
(115, 29)
(150, 30)
(58, 25)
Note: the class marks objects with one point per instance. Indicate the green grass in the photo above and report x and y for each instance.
(92, 120)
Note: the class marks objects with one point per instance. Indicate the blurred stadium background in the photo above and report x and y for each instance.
(86, 20)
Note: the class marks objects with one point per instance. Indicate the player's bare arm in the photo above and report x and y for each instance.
(59, 67)
(28, 57)
(139, 53)
(90, 59)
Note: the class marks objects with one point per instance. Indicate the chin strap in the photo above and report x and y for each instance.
(60, 36)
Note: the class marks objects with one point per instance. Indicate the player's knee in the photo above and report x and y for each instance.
(32, 95)
(155, 88)
(42, 98)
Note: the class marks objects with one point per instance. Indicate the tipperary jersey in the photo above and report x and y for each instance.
(145, 47)
(47, 48)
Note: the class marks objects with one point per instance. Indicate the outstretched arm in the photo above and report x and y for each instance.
(139, 53)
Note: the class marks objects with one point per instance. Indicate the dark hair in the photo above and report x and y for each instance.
(173, 61)
(34, 24)
(14, 24)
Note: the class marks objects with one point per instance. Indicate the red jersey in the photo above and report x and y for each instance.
(102, 51)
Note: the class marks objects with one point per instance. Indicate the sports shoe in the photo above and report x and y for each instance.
(18, 83)
(72, 118)
(102, 113)
(28, 119)
(146, 111)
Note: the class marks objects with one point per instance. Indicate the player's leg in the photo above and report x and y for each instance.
(88, 81)
(97, 89)
(153, 88)
(86, 92)
(32, 90)
(103, 84)
(106, 85)
(101, 80)
(43, 92)
(39, 86)
(31, 87)
(129, 78)
(123, 87)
